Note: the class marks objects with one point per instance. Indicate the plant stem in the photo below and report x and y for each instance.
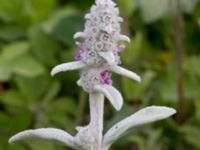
(178, 33)
(96, 122)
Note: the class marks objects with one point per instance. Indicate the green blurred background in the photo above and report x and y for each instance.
(36, 35)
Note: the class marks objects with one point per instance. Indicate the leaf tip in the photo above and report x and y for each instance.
(53, 73)
(164, 111)
(11, 140)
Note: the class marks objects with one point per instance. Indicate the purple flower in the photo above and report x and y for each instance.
(120, 48)
(105, 77)
(79, 55)
(81, 46)
(118, 60)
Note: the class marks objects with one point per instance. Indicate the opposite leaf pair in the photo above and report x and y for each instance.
(146, 115)
(91, 80)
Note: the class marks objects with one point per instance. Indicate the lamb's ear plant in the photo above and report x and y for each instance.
(97, 59)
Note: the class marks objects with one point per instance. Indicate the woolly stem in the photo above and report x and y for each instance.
(96, 116)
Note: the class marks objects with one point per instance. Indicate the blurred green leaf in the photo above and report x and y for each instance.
(197, 106)
(10, 32)
(191, 135)
(55, 18)
(7, 8)
(52, 92)
(40, 10)
(15, 11)
(13, 51)
(64, 112)
(65, 105)
(153, 10)
(64, 28)
(192, 65)
(8, 55)
(12, 98)
(168, 86)
(16, 146)
(27, 66)
(126, 6)
(67, 27)
(22, 119)
(188, 6)
(5, 73)
(41, 145)
(139, 141)
(32, 88)
(44, 47)
(134, 49)
(139, 89)
(153, 139)
(4, 122)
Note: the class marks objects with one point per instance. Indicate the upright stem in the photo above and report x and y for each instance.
(96, 121)
(178, 33)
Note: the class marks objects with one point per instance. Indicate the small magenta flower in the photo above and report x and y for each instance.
(120, 48)
(105, 77)
(97, 58)
(80, 55)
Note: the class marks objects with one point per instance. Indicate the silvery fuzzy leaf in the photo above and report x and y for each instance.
(68, 67)
(144, 116)
(124, 72)
(124, 38)
(112, 94)
(45, 133)
(79, 35)
(108, 56)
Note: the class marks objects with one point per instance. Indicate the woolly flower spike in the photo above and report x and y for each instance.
(101, 34)
(98, 53)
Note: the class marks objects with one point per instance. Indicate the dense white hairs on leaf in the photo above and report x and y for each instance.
(45, 133)
(124, 38)
(112, 94)
(146, 115)
(79, 35)
(124, 72)
(68, 67)
(109, 57)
